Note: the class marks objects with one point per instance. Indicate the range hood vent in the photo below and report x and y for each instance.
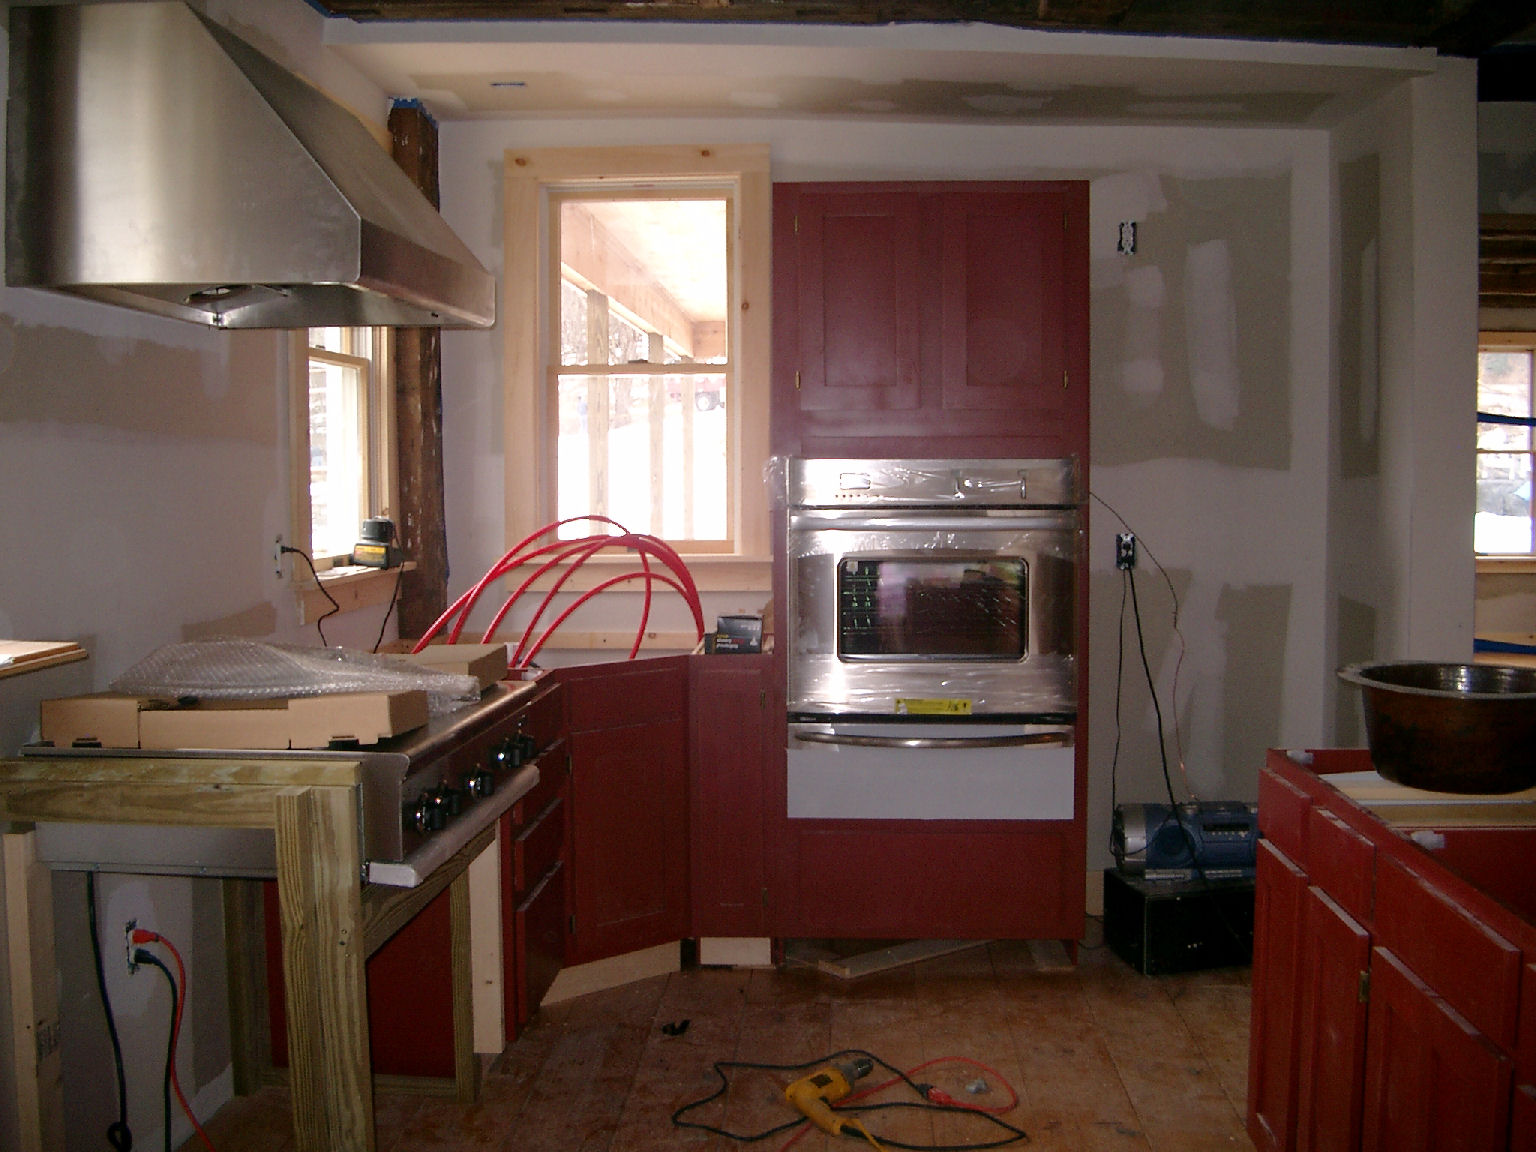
(155, 160)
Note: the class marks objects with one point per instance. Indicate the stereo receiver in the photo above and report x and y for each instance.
(1213, 840)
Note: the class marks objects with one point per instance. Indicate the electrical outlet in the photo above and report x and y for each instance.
(277, 557)
(129, 946)
(1125, 550)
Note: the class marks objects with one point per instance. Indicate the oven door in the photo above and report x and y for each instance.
(851, 770)
(914, 612)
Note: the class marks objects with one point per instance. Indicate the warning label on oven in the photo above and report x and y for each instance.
(933, 706)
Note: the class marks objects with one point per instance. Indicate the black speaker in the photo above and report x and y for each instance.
(1161, 926)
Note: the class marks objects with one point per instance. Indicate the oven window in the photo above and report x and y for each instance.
(924, 608)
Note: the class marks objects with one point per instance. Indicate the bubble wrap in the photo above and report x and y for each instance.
(244, 669)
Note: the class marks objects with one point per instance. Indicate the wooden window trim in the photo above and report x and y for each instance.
(528, 434)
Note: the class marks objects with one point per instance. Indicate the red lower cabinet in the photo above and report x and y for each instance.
(1391, 995)
(1434, 1083)
(410, 995)
(1279, 889)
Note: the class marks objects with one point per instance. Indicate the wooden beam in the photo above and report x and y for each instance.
(421, 517)
(33, 1059)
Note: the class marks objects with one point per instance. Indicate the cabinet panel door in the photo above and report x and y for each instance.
(1278, 890)
(728, 807)
(859, 308)
(1433, 1082)
(1003, 256)
(1334, 958)
(629, 841)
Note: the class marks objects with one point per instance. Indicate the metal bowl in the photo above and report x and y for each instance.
(1468, 728)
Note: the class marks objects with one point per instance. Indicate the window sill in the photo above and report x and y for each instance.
(352, 587)
(1507, 565)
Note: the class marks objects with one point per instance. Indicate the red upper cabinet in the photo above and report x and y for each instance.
(931, 319)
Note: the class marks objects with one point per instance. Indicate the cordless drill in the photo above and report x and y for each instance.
(814, 1095)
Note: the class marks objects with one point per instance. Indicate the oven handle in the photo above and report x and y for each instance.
(1046, 519)
(1032, 739)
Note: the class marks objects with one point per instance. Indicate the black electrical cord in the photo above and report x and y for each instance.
(144, 956)
(393, 599)
(119, 1135)
(335, 607)
(720, 1066)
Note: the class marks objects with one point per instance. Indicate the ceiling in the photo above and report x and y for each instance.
(1165, 62)
(1453, 27)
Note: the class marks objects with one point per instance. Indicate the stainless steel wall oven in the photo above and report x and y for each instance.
(931, 634)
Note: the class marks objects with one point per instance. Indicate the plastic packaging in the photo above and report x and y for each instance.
(251, 669)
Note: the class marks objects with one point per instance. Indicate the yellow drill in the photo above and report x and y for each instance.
(814, 1095)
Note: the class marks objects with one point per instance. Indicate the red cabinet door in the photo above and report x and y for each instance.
(1279, 888)
(858, 258)
(1334, 959)
(931, 318)
(1433, 1082)
(727, 754)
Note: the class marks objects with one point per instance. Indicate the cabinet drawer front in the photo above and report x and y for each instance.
(537, 847)
(553, 772)
(539, 950)
(1283, 816)
(1343, 863)
(1476, 971)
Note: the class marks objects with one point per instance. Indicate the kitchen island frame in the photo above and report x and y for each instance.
(331, 921)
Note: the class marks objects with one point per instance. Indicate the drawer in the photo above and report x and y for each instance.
(1342, 864)
(1283, 816)
(1468, 965)
(539, 950)
(538, 846)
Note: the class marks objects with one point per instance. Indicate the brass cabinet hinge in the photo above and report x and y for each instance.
(1364, 992)
(797, 379)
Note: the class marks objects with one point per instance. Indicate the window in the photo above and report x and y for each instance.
(640, 367)
(344, 421)
(637, 344)
(1504, 445)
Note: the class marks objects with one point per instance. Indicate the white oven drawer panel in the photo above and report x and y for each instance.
(862, 782)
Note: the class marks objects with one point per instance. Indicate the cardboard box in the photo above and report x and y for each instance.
(111, 720)
(353, 717)
(487, 663)
(735, 634)
(233, 724)
(97, 720)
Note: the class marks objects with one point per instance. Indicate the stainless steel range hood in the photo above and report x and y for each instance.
(155, 160)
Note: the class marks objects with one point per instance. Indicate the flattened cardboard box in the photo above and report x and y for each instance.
(487, 663)
(97, 720)
(234, 724)
(353, 717)
(111, 720)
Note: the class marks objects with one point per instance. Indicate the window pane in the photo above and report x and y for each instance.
(1503, 502)
(648, 451)
(337, 457)
(643, 280)
(1504, 388)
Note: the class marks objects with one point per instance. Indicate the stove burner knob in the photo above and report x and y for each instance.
(452, 801)
(480, 784)
(506, 755)
(527, 747)
(418, 814)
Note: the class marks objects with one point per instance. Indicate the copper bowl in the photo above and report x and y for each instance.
(1468, 728)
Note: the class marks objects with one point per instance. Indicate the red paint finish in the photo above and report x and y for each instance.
(1434, 1084)
(629, 801)
(1342, 863)
(1278, 891)
(1331, 1072)
(942, 318)
(728, 754)
(1475, 969)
